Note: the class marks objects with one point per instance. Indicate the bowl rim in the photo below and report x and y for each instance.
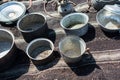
(13, 2)
(71, 14)
(81, 41)
(39, 39)
(13, 41)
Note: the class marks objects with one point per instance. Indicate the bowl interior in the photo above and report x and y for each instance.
(31, 22)
(6, 41)
(74, 21)
(39, 50)
(11, 11)
(72, 47)
(108, 20)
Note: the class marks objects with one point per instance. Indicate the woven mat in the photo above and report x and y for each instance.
(102, 64)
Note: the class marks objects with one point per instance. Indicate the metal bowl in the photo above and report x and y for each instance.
(32, 26)
(40, 51)
(72, 48)
(7, 49)
(11, 11)
(75, 24)
(109, 19)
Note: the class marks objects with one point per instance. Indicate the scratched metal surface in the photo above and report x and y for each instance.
(102, 64)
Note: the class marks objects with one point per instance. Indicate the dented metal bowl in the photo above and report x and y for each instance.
(40, 51)
(11, 11)
(7, 49)
(109, 18)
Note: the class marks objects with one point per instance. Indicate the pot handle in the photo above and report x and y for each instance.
(88, 50)
(89, 53)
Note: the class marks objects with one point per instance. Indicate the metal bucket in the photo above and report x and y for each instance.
(11, 11)
(33, 26)
(72, 48)
(75, 24)
(7, 49)
(109, 18)
(40, 51)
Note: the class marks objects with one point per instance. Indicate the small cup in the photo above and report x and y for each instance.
(40, 51)
(7, 49)
(72, 48)
(33, 26)
(75, 24)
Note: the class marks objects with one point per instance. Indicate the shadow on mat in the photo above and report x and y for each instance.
(85, 66)
(9, 25)
(90, 35)
(52, 61)
(52, 35)
(19, 67)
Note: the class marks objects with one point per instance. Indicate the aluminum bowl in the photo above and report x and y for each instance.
(75, 24)
(11, 11)
(109, 19)
(32, 26)
(40, 51)
(7, 49)
(72, 48)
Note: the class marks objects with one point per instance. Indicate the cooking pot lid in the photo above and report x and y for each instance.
(113, 8)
